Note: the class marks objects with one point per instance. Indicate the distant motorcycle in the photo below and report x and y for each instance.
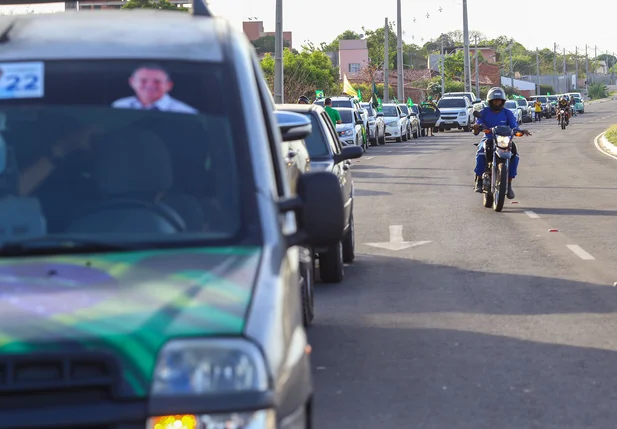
(498, 154)
(563, 118)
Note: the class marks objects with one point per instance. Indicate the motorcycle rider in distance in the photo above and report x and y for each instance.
(303, 100)
(490, 117)
(572, 106)
(563, 104)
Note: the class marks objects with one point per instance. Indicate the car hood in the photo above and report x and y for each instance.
(343, 127)
(127, 304)
(452, 109)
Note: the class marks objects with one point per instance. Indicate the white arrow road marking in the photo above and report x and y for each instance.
(397, 242)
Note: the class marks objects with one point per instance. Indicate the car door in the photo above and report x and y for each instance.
(343, 169)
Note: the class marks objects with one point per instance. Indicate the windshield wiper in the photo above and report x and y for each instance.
(55, 244)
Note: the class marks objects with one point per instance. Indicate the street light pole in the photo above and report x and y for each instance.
(386, 65)
(477, 71)
(443, 70)
(278, 55)
(399, 54)
(466, 43)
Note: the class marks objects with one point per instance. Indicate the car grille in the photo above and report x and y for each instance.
(30, 384)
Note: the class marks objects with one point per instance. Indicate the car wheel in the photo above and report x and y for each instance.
(308, 297)
(406, 135)
(331, 269)
(349, 243)
(466, 129)
(416, 133)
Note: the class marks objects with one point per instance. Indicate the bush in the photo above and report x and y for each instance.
(597, 91)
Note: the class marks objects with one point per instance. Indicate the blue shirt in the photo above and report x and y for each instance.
(491, 119)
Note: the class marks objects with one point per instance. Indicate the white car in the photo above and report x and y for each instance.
(512, 106)
(456, 112)
(350, 131)
(396, 128)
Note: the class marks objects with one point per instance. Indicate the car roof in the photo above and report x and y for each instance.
(300, 108)
(344, 108)
(113, 34)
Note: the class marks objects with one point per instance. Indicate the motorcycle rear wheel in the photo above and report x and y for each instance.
(501, 187)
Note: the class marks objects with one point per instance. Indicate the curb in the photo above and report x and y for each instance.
(605, 147)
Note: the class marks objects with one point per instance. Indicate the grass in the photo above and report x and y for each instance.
(611, 135)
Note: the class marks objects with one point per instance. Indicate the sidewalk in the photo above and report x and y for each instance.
(601, 100)
(606, 146)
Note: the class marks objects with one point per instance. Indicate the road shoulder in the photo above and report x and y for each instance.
(606, 147)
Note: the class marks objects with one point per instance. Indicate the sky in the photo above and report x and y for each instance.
(531, 22)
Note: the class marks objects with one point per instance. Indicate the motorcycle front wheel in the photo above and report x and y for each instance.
(501, 187)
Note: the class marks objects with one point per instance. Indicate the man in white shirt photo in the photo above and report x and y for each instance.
(152, 85)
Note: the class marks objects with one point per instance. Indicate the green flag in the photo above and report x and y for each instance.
(319, 93)
(379, 105)
(359, 95)
(548, 93)
(409, 101)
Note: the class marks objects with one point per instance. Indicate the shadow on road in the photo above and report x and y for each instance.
(381, 362)
(573, 212)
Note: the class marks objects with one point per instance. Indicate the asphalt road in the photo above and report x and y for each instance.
(496, 322)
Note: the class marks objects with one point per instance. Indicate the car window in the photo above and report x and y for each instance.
(319, 102)
(331, 136)
(511, 105)
(451, 102)
(346, 116)
(342, 103)
(427, 109)
(316, 143)
(404, 109)
(415, 109)
(169, 161)
(369, 109)
(390, 111)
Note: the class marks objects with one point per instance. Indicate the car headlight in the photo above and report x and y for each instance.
(202, 366)
(346, 132)
(462, 113)
(503, 142)
(264, 419)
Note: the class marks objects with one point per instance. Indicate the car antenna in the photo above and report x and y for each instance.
(4, 37)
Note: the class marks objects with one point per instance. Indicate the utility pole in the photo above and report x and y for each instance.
(555, 80)
(576, 66)
(477, 71)
(443, 70)
(467, 72)
(587, 77)
(511, 71)
(278, 55)
(565, 72)
(386, 65)
(399, 53)
(538, 72)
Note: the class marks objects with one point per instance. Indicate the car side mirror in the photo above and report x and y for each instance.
(348, 152)
(380, 114)
(319, 208)
(361, 111)
(403, 115)
(293, 126)
(359, 122)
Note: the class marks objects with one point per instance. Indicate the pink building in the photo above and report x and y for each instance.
(255, 30)
(353, 57)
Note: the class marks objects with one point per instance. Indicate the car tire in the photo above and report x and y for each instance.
(382, 140)
(331, 268)
(349, 243)
(307, 289)
(406, 135)
(416, 133)
(466, 129)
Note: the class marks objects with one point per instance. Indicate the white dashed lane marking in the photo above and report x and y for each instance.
(532, 214)
(580, 252)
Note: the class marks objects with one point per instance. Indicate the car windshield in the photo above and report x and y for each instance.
(404, 108)
(369, 109)
(115, 153)
(415, 109)
(346, 116)
(316, 144)
(390, 111)
(511, 105)
(451, 102)
(577, 100)
(542, 99)
(426, 109)
(459, 94)
(342, 103)
(521, 102)
(552, 98)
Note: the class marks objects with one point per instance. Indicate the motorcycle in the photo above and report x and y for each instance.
(563, 118)
(498, 154)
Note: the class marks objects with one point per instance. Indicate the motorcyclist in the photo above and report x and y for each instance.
(303, 100)
(490, 117)
(563, 104)
(572, 106)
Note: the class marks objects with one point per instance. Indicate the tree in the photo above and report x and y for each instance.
(305, 72)
(333, 46)
(266, 44)
(375, 40)
(152, 4)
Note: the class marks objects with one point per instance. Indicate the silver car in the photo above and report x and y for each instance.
(167, 255)
(377, 127)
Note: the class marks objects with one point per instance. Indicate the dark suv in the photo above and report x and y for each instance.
(328, 154)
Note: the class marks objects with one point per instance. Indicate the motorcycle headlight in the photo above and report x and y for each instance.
(202, 366)
(503, 142)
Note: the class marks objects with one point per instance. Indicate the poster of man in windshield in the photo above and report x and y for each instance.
(152, 85)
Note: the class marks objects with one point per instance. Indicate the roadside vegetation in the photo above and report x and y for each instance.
(611, 135)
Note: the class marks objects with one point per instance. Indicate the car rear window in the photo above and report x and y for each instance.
(316, 144)
(342, 103)
(346, 116)
(511, 104)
